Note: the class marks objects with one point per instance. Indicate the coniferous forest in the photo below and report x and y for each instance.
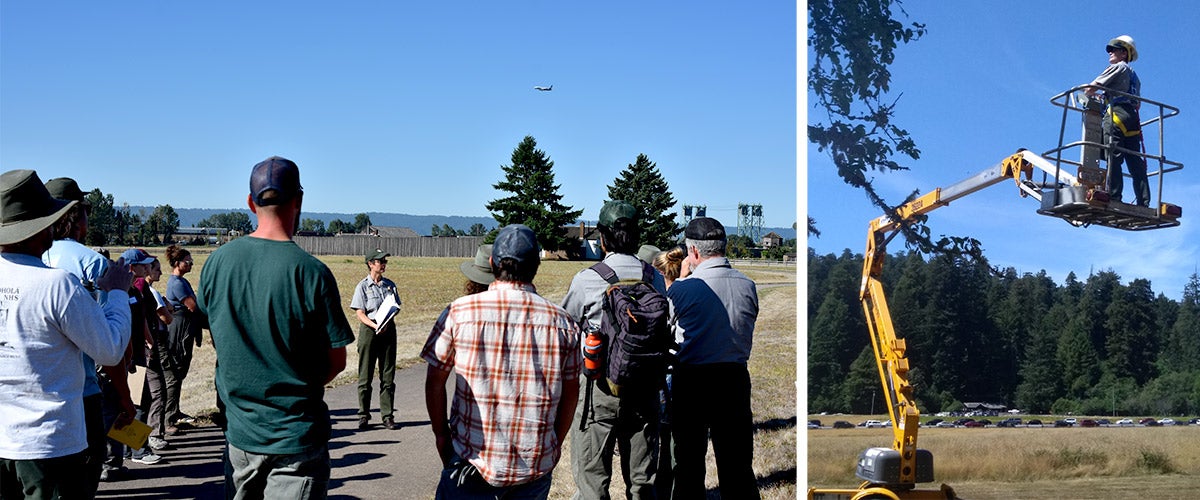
(1094, 345)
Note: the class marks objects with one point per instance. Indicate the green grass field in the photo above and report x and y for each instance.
(1012, 463)
(427, 285)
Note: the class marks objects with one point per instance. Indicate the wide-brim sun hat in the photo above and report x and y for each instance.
(480, 269)
(26, 206)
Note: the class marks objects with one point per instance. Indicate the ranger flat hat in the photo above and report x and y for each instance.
(26, 207)
(480, 269)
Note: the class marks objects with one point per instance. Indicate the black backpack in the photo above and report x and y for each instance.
(635, 324)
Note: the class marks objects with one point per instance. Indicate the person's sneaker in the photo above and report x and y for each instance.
(363, 423)
(389, 423)
(108, 474)
(158, 444)
(184, 418)
(150, 458)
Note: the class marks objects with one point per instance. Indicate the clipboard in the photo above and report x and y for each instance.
(133, 435)
(387, 311)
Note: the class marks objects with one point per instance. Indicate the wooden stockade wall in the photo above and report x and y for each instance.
(355, 244)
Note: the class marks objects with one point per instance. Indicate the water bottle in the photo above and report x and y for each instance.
(593, 354)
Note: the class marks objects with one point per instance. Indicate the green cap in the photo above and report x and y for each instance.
(616, 209)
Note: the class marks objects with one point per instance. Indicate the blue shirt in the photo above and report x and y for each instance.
(714, 310)
(87, 265)
(178, 288)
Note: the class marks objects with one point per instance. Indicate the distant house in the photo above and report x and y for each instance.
(589, 241)
(392, 232)
(772, 240)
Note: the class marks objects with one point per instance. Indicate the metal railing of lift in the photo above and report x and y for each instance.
(1070, 100)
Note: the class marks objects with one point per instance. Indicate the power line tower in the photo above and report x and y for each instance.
(691, 211)
(750, 222)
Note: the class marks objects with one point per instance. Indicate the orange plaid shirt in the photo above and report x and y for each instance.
(511, 350)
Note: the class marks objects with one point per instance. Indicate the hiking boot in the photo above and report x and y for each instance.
(184, 418)
(389, 423)
(362, 424)
(158, 444)
(150, 458)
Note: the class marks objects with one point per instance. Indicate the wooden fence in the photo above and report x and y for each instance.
(354, 244)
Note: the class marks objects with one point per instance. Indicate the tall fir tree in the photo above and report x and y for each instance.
(535, 201)
(643, 186)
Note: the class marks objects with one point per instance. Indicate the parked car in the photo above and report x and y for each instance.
(945, 424)
(1167, 421)
(1194, 421)
(963, 421)
(974, 423)
(1087, 422)
(1149, 422)
(1063, 423)
(1104, 421)
(1125, 422)
(1070, 420)
(814, 424)
(933, 423)
(842, 424)
(984, 421)
(871, 424)
(1033, 422)
(1009, 422)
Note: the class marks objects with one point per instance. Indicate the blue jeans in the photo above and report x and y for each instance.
(299, 476)
(449, 488)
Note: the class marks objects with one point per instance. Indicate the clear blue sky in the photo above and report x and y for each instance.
(977, 87)
(408, 107)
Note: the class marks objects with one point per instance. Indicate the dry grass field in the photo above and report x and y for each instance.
(1012, 463)
(427, 284)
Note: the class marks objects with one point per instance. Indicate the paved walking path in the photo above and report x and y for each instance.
(375, 463)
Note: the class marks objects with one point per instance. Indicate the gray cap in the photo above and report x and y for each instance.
(517, 242)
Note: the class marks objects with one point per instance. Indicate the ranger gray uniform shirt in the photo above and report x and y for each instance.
(583, 301)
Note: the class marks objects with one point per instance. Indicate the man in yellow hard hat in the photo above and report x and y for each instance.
(1122, 126)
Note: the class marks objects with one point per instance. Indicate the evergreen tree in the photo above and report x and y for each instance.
(233, 221)
(837, 334)
(477, 229)
(534, 199)
(862, 385)
(1181, 349)
(1040, 372)
(361, 222)
(313, 225)
(644, 187)
(164, 221)
(102, 219)
(1132, 343)
(337, 226)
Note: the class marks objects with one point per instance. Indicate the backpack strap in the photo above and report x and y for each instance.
(610, 275)
(605, 272)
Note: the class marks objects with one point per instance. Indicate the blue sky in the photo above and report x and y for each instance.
(977, 87)
(407, 107)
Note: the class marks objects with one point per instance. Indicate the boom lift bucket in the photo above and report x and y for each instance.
(1087, 202)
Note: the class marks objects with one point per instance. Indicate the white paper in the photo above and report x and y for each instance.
(387, 310)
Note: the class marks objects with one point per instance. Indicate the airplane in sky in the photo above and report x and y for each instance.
(544, 89)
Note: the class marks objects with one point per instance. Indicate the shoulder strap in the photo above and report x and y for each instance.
(605, 272)
(648, 274)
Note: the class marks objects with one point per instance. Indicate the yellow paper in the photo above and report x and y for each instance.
(133, 435)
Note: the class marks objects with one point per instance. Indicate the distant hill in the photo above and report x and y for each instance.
(188, 217)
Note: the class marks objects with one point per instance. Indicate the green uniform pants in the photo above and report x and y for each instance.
(628, 423)
(376, 351)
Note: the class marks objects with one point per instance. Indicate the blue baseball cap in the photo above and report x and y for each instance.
(517, 242)
(137, 256)
(277, 174)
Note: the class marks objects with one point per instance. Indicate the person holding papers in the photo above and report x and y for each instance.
(376, 303)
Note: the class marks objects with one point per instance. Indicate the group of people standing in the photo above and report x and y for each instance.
(517, 359)
(280, 334)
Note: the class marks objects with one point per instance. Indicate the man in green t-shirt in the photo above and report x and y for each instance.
(280, 336)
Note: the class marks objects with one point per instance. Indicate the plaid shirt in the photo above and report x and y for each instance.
(511, 350)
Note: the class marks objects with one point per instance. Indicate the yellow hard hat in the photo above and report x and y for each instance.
(1124, 42)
